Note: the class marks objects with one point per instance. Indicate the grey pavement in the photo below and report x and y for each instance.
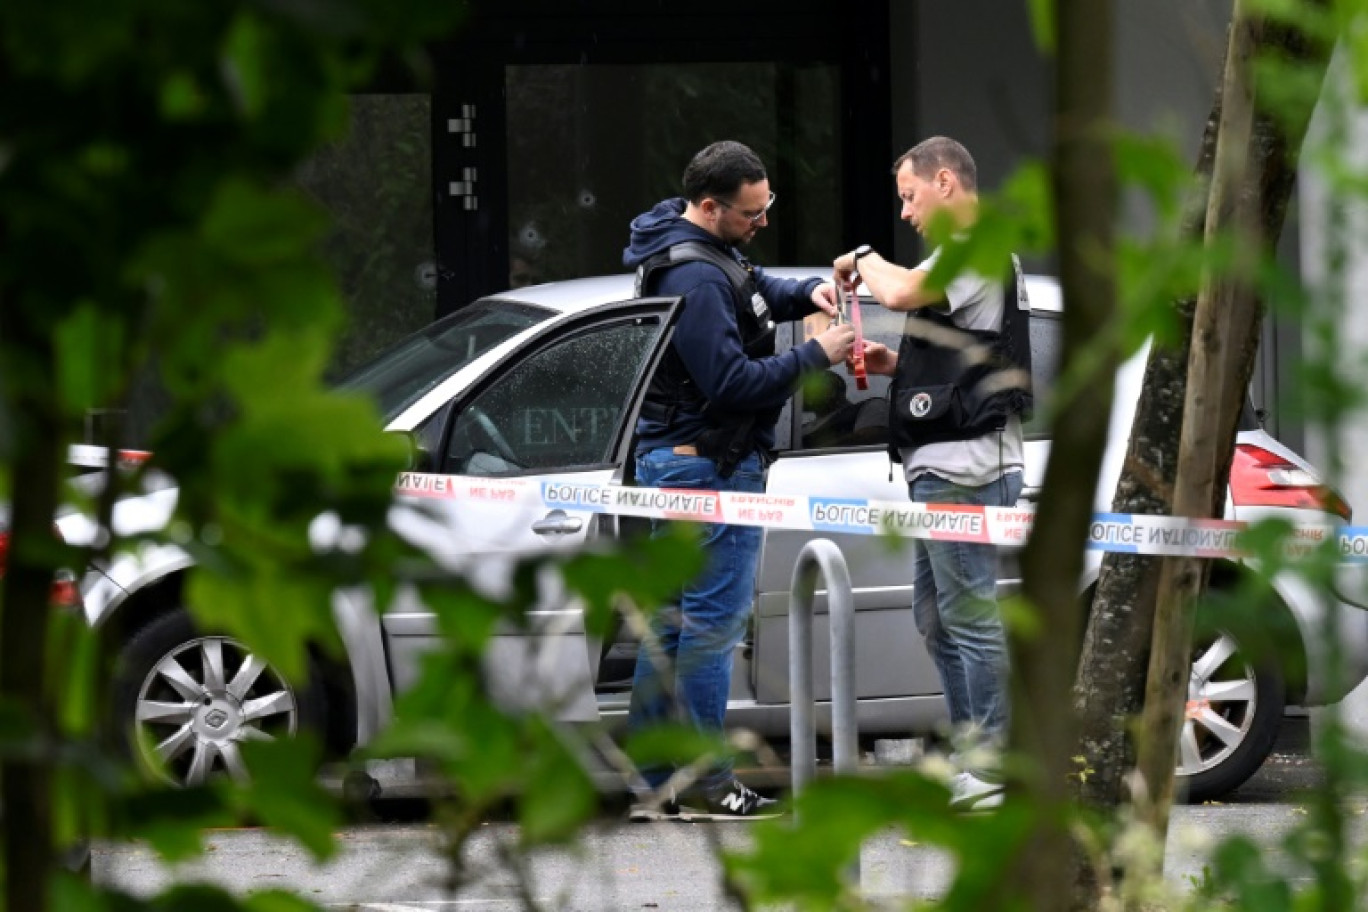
(660, 866)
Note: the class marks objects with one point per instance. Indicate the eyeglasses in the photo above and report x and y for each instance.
(752, 217)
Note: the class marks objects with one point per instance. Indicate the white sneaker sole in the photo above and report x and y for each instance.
(986, 801)
(689, 814)
(650, 815)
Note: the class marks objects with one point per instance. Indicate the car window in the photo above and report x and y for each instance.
(1047, 339)
(560, 407)
(834, 413)
(403, 374)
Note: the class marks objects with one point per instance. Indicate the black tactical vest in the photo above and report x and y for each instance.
(672, 389)
(957, 384)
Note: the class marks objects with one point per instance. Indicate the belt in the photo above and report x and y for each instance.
(686, 449)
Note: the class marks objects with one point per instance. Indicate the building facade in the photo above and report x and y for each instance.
(542, 128)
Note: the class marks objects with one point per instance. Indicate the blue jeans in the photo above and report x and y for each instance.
(954, 600)
(699, 637)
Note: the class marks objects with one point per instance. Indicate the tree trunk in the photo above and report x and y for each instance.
(1228, 309)
(1110, 686)
(25, 783)
(1043, 660)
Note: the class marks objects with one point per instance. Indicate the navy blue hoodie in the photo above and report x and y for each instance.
(706, 336)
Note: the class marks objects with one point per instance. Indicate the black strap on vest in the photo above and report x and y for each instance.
(689, 251)
(672, 388)
(954, 383)
(730, 437)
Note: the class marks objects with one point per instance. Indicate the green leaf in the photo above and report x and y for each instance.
(171, 820)
(1017, 219)
(1153, 163)
(277, 613)
(74, 893)
(253, 226)
(285, 794)
(1239, 866)
(244, 65)
(428, 738)
(559, 796)
(1288, 91)
(182, 97)
(1021, 617)
(648, 571)
(76, 652)
(1315, 20)
(673, 745)
(447, 716)
(18, 728)
(89, 345)
(1043, 24)
(200, 897)
(277, 901)
(466, 618)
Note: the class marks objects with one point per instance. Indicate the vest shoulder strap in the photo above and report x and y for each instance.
(694, 251)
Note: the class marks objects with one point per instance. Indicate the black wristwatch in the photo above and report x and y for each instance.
(862, 250)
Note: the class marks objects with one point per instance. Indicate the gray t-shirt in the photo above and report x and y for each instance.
(975, 303)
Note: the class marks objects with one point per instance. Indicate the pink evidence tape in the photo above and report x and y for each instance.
(1167, 536)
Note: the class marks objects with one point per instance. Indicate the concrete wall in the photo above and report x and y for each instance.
(988, 86)
(1352, 335)
(971, 70)
(1350, 440)
(985, 86)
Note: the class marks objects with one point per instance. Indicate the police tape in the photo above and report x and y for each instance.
(1161, 536)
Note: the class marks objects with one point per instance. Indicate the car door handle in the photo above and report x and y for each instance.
(557, 523)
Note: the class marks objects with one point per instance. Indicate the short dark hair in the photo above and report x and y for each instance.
(930, 155)
(720, 170)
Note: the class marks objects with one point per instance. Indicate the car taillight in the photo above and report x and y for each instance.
(65, 592)
(1259, 478)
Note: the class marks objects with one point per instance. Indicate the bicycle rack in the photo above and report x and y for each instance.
(821, 555)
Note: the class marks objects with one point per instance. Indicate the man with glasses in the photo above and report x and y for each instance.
(708, 424)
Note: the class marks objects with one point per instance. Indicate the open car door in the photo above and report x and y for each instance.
(560, 408)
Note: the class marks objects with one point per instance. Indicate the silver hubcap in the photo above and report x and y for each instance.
(1222, 698)
(201, 700)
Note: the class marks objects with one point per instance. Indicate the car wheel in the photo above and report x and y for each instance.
(1234, 709)
(186, 701)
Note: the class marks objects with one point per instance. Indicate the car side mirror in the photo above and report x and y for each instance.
(420, 459)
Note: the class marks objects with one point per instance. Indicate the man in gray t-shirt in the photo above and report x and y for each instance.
(973, 302)
(954, 583)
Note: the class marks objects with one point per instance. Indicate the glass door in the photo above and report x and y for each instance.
(590, 146)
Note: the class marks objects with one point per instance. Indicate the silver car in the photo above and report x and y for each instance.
(544, 383)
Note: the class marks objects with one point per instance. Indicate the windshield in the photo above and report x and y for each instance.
(401, 376)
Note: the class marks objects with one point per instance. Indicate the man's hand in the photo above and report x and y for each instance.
(844, 267)
(836, 341)
(824, 297)
(878, 359)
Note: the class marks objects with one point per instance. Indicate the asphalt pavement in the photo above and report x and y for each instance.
(406, 866)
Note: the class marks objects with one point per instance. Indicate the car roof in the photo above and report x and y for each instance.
(571, 296)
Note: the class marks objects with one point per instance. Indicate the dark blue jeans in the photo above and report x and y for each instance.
(954, 599)
(699, 636)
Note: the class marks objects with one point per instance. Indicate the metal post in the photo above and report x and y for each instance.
(821, 555)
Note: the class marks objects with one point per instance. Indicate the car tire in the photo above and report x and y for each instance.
(184, 701)
(1234, 710)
